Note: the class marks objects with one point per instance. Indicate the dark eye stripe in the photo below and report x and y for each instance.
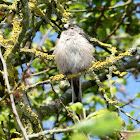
(71, 25)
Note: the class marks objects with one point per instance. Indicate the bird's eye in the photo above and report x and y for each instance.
(71, 27)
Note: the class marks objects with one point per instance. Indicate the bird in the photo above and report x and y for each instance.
(73, 54)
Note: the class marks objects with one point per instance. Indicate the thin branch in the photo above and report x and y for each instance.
(49, 132)
(109, 101)
(7, 95)
(81, 10)
(124, 15)
(100, 44)
(127, 114)
(44, 37)
(31, 34)
(42, 72)
(12, 98)
(29, 64)
(37, 84)
(53, 107)
(120, 5)
(98, 20)
(116, 27)
(59, 98)
(126, 131)
(128, 103)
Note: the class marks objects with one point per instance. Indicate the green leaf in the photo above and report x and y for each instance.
(121, 81)
(130, 127)
(137, 95)
(102, 123)
(101, 32)
(135, 137)
(77, 6)
(77, 107)
(133, 112)
(79, 136)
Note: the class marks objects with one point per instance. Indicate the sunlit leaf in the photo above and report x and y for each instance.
(77, 107)
(79, 136)
(102, 123)
(135, 137)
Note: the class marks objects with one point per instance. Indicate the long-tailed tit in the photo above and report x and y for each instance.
(73, 54)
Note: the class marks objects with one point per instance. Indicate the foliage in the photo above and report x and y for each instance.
(101, 124)
(28, 34)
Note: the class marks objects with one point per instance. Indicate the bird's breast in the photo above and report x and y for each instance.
(73, 54)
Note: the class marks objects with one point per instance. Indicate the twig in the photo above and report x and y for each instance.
(109, 101)
(29, 64)
(127, 114)
(126, 131)
(31, 33)
(121, 5)
(53, 107)
(100, 44)
(37, 84)
(127, 103)
(59, 99)
(124, 15)
(116, 27)
(81, 10)
(12, 98)
(49, 132)
(44, 38)
(44, 71)
(7, 95)
(103, 10)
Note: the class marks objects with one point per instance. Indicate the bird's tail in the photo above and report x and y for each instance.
(76, 89)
